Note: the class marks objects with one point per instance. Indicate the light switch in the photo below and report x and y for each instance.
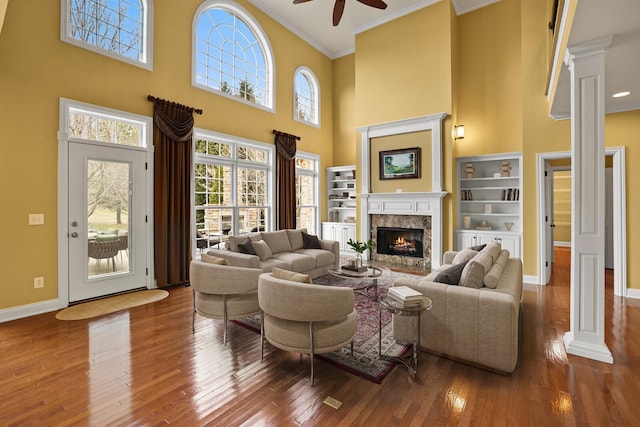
(36, 219)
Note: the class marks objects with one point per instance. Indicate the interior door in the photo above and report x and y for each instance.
(549, 225)
(608, 218)
(107, 224)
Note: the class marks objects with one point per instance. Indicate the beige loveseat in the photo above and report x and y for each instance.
(478, 325)
(293, 250)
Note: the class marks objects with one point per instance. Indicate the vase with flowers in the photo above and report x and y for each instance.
(359, 248)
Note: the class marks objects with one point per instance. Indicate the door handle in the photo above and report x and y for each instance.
(74, 234)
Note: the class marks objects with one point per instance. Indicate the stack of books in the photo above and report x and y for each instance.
(405, 296)
(360, 269)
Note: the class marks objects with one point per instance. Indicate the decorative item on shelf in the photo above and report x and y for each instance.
(487, 208)
(483, 225)
(359, 247)
(469, 170)
(508, 225)
(497, 175)
(345, 195)
(351, 185)
(335, 185)
(337, 175)
(466, 221)
(506, 168)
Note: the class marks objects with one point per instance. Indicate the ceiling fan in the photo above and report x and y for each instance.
(338, 8)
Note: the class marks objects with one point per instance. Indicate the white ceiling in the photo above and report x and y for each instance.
(312, 21)
(595, 19)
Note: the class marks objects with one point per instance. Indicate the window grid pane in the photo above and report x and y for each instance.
(305, 102)
(113, 25)
(230, 58)
(97, 127)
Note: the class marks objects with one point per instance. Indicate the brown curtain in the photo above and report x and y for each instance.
(286, 180)
(172, 131)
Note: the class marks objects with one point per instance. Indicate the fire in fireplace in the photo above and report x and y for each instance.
(400, 241)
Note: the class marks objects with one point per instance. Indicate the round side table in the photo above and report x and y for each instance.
(387, 303)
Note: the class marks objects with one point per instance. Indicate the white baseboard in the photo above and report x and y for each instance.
(633, 293)
(23, 311)
(563, 244)
(532, 280)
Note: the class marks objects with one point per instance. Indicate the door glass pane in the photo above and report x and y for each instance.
(108, 217)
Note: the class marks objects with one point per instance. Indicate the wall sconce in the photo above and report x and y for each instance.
(458, 132)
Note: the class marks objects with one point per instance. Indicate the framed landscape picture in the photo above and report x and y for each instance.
(403, 163)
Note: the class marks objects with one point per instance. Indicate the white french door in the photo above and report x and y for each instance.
(107, 219)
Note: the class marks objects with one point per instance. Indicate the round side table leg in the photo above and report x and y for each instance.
(379, 331)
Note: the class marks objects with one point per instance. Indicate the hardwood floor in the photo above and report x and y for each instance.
(144, 366)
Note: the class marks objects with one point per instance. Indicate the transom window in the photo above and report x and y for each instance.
(232, 187)
(306, 95)
(94, 125)
(231, 54)
(121, 29)
(307, 191)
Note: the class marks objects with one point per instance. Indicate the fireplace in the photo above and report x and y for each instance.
(400, 241)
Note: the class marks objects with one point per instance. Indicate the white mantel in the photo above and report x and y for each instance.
(409, 203)
(423, 204)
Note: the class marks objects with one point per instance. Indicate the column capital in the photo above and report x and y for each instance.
(587, 49)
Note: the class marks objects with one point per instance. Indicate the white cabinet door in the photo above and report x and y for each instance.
(512, 244)
(328, 231)
(465, 239)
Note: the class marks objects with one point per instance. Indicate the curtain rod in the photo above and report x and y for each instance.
(277, 132)
(174, 104)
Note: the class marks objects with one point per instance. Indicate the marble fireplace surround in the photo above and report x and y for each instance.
(410, 210)
(404, 203)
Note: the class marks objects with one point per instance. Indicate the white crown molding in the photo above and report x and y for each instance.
(390, 17)
(289, 26)
(461, 8)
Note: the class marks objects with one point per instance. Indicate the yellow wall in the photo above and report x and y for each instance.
(345, 137)
(562, 206)
(396, 142)
(403, 68)
(488, 68)
(37, 69)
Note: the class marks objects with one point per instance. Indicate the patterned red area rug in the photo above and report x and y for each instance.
(364, 362)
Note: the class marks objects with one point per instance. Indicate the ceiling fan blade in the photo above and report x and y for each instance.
(378, 4)
(337, 12)
(300, 1)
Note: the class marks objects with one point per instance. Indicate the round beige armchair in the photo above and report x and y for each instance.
(305, 318)
(223, 292)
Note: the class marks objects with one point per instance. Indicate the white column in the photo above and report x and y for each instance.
(586, 63)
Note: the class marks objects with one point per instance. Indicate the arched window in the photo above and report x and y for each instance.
(121, 29)
(306, 97)
(231, 54)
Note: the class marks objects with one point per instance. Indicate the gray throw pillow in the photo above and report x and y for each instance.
(451, 275)
(246, 247)
(478, 247)
(311, 241)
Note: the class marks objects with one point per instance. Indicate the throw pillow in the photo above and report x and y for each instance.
(295, 238)
(262, 250)
(311, 241)
(278, 241)
(464, 255)
(292, 276)
(213, 259)
(246, 247)
(451, 275)
(477, 247)
(472, 275)
(492, 278)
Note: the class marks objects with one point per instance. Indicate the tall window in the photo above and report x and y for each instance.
(121, 29)
(307, 191)
(232, 187)
(231, 54)
(306, 97)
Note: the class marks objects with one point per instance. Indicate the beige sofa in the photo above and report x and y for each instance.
(480, 325)
(285, 249)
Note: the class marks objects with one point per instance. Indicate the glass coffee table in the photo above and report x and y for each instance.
(369, 290)
(396, 308)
